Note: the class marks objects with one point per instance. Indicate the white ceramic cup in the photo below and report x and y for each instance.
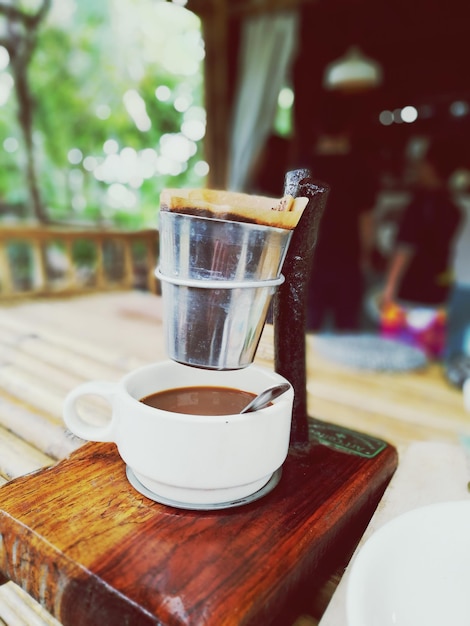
(192, 459)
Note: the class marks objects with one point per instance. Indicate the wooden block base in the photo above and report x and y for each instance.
(81, 540)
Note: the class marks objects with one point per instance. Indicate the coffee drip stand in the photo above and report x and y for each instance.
(107, 554)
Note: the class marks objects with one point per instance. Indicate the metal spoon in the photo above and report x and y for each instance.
(265, 397)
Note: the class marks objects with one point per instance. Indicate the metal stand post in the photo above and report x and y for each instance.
(290, 301)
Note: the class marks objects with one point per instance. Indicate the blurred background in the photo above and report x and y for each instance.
(102, 105)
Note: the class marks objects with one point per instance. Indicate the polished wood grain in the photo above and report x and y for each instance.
(91, 549)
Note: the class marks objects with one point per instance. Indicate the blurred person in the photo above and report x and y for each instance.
(420, 276)
(457, 344)
(342, 256)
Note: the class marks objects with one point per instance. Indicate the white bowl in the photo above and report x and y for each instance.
(414, 571)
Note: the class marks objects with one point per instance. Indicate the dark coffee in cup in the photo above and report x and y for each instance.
(200, 400)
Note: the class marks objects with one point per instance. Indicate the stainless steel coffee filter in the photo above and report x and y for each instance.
(206, 248)
(214, 324)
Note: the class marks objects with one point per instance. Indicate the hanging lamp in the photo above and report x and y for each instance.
(352, 72)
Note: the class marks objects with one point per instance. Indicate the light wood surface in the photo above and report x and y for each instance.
(49, 346)
(106, 335)
(400, 407)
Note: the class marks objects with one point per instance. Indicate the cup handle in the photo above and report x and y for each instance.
(75, 422)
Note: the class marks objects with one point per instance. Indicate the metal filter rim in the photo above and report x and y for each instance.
(202, 283)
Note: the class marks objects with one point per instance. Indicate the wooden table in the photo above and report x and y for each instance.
(47, 347)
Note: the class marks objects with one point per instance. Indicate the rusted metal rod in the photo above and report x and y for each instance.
(290, 301)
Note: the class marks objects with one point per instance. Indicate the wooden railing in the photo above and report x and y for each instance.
(40, 260)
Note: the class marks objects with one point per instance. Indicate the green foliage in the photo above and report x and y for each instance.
(85, 69)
